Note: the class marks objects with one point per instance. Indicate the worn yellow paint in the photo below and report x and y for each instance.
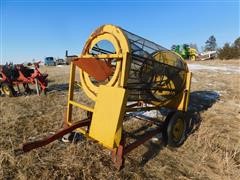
(106, 125)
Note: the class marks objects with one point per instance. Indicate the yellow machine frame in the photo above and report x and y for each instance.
(105, 119)
(119, 80)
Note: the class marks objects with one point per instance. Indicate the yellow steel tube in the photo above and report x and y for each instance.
(70, 92)
(81, 106)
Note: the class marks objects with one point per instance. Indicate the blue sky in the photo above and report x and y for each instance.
(36, 29)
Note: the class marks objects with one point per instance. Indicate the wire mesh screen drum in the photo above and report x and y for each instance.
(150, 72)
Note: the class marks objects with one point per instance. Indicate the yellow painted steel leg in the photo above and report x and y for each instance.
(187, 90)
(183, 106)
(70, 93)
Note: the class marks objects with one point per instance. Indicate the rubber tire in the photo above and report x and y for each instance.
(168, 127)
(10, 92)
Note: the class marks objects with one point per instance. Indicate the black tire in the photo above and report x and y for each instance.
(7, 89)
(174, 130)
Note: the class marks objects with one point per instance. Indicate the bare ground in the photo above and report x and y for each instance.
(210, 152)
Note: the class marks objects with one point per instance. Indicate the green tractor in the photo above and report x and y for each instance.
(185, 51)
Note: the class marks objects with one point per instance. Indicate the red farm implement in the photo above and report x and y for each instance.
(14, 75)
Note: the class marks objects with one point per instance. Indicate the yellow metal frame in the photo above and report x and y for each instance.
(117, 83)
(106, 125)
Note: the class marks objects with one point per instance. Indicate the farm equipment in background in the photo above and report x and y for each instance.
(124, 76)
(69, 58)
(208, 55)
(13, 75)
(60, 62)
(186, 52)
(49, 61)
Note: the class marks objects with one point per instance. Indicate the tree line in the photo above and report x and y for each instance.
(228, 51)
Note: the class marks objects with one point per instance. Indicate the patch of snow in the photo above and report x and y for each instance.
(151, 114)
(194, 80)
(226, 70)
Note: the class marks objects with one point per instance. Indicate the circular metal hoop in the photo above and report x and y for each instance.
(116, 37)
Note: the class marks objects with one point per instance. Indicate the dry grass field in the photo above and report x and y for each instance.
(212, 151)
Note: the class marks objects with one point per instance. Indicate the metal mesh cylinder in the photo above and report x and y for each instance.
(155, 74)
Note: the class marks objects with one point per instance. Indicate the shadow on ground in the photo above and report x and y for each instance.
(58, 87)
(199, 101)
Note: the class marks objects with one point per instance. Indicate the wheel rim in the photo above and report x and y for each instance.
(6, 90)
(178, 129)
